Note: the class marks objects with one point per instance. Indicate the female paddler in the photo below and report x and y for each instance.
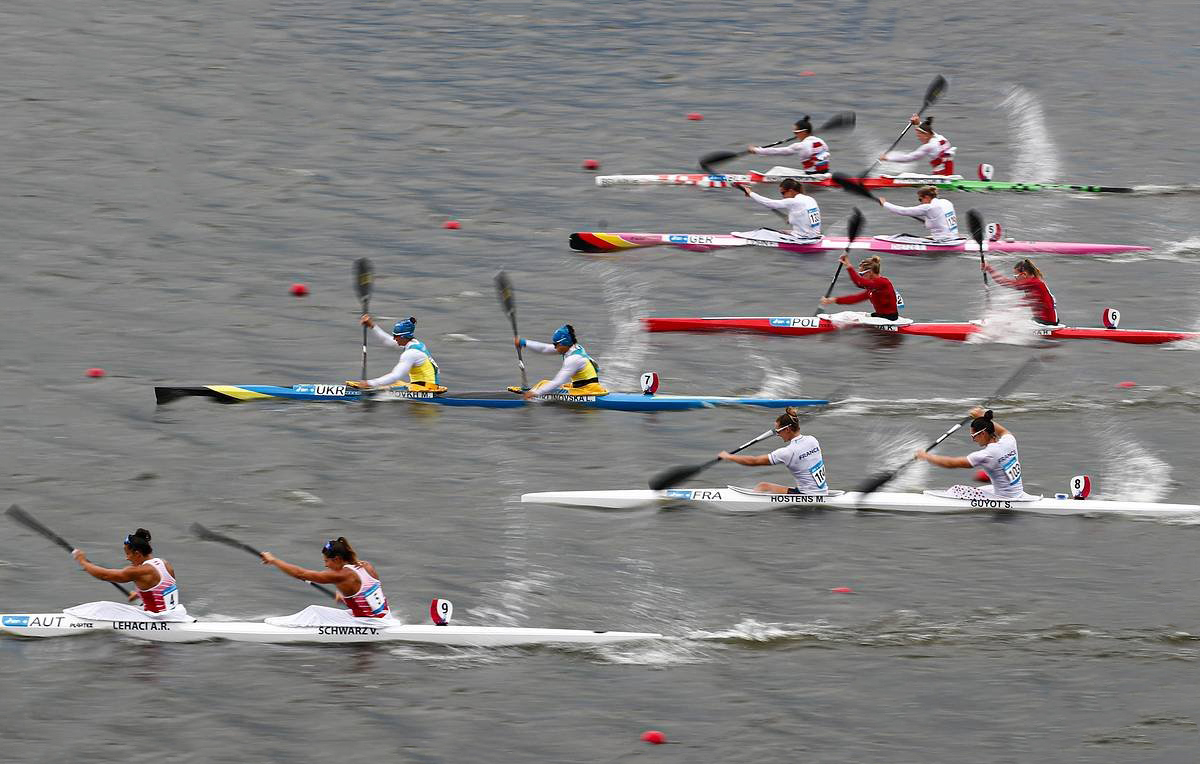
(997, 456)
(357, 586)
(1029, 280)
(933, 147)
(938, 215)
(801, 210)
(415, 361)
(579, 373)
(877, 288)
(800, 453)
(812, 152)
(153, 579)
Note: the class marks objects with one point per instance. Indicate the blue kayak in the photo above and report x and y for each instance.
(495, 400)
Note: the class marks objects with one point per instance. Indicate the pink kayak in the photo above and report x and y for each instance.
(597, 242)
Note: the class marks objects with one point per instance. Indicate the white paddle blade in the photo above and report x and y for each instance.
(986, 171)
(1081, 487)
(1111, 318)
(993, 231)
(650, 383)
(440, 611)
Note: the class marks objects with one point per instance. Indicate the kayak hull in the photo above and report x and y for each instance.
(952, 183)
(802, 326)
(597, 242)
(505, 400)
(734, 499)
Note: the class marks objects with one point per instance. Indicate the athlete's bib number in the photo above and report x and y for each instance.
(1012, 471)
(952, 222)
(375, 599)
(170, 598)
(818, 474)
(814, 217)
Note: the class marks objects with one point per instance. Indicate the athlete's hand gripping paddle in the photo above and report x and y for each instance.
(852, 230)
(221, 538)
(1018, 376)
(841, 121)
(24, 518)
(504, 292)
(676, 475)
(932, 94)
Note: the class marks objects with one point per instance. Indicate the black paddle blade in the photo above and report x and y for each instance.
(936, 90)
(843, 120)
(675, 475)
(854, 227)
(504, 293)
(24, 518)
(364, 277)
(875, 483)
(204, 533)
(708, 160)
(976, 227)
(853, 186)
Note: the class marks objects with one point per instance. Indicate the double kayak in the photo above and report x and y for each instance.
(322, 393)
(803, 326)
(735, 499)
(596, 242)
(62, 624)
(902, 180)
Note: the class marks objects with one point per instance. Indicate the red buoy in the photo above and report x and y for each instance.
(95, 373)
(654, 737)
(299, 290)
(695, 116)
(842, 590)
(1127, 383)
(591, 164)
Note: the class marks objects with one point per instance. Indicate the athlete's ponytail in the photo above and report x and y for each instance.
(804, 124)
(789, 418)
(926, 126)
(139, 541)
(1027, 267)
(340, 548)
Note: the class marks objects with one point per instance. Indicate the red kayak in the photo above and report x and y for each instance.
(802, 326)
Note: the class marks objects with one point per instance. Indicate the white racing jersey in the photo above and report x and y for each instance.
(573, 363)
(937, 150)
(415, 354)
(812, 151)
(802, 455)
(939, 217)
(802, 212)
(1002, 465)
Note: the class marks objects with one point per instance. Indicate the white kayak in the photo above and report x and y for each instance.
(61, 624)
(735, 499)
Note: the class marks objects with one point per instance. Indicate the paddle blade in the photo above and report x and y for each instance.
(364, 278)
(853, 186)
(936, 90)
(855, 225)
(675, 475)
(875, 483)
(708, 160)
(976, 226)
(24, 518)
(504, 293)
(844, 120)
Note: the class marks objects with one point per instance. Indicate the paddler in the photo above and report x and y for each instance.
(997, 456)
(934, 147)
(415, 361)
(357, 586)
(877, 288)
(812, 152)
(153, 579)
(1029, 280)
(937, 214)
(802, 211)
(800, 453)
(578, 369)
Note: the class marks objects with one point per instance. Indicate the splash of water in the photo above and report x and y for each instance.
(625, 297)
(1034, 153)
(1006, 319)
(779, 380)
(1130, 471)
(893, 447)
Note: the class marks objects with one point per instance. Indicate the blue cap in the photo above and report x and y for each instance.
(564, 335)
(405, 328)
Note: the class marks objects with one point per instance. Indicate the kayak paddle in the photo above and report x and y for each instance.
(852, 230)
(975, 224)
(932, 94)
(676, 475)
(221, 538)
(840, 121)
(853, 186)
(26, 519)
(364, 279)
(504, 292)
(1023, 371)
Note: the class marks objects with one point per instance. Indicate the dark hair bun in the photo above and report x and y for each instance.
(143, 533)
(988, 415)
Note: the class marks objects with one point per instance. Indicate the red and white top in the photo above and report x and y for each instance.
(162, 596)
(1037, 295)
(812, 151)
(369, 601)
(937, 150)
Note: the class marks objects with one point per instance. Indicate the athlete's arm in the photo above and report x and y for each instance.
(762, 460)
(570, 366)
(942, 461)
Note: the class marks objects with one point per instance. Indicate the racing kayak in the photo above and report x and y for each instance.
(61, 624)
(734, 499)
(502, 400)
(902, 180)
(803, 326)
(599, 242)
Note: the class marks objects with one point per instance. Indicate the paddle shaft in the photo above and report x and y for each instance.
(504, 291)
(675, 475)
(932, 93)
(852, 230)
(24, 518)
(221, 538)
